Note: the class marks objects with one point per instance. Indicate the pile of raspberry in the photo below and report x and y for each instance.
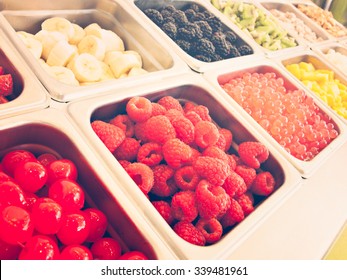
(198, 32)
(185, 164)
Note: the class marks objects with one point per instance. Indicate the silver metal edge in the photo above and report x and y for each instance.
(58, 119)
(306, 168)
(181, 248)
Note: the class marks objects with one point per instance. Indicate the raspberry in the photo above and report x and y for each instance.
(173, 113)
(212, 169)
(233, 215)
(202, 111)
(211, 229)
(263, 184)
(212, 201)
(176, 153)
(157, 109)
(142, 175)
(193, 117)
(188, 105)
(124, 163)
(189, 233)
(164, 185)
(164, 210)
(140, 132)
(228, 136)
(183, 206)
(216, 152)
(159, 129)
(253, 153)
(206, 134)
(124, 122)
(139, 109)
(237, 160)
(186, 178)
(111, 135)
(194, 157)
(169, 102)
(248, 174)
(234, 185)
(184, 128)
(246, 202)
(127, 150)
(221, 143)
(150, 154)
(232, 162)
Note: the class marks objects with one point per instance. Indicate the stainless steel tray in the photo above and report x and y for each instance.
(319, 63)
(28, 93)
(287, 7)
(306, 168)
(158, 59)
(322, 50)
(315, 22)
(197, 65)
(189, 87)
(50, 130)
(301, 44)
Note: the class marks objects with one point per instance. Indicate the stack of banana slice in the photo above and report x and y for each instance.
(81, 56)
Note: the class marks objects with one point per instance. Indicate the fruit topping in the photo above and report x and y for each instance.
(191, 171)
(53, 221)
(197, 32)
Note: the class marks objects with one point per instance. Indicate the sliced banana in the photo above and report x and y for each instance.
(59, 24)
(92, 45)
(63, 75)
(89, 29)
(79, 33)
(111, 40)
(138, 56)
(31, 43)
(48, 40)
(86, 68)
(136, 71)
(106, 72)
(121, 63)
(109, 56)
(61, 54)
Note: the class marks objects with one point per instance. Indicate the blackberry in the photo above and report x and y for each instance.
(245, 50)
(170, 29)
(205, 47)
(194, 7)
(199, 16)
(205, 28)
(166, 14)
(230, 36)
(202, 58)
(184, 45)
(186, 33)
(215, 23)
(154, 15)
(220, 43)
(169, 8)
(198, 33)
(233, 52)
(180, 18)
(169, 19)
(207, 14)
(216, 57)
(190, 14)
